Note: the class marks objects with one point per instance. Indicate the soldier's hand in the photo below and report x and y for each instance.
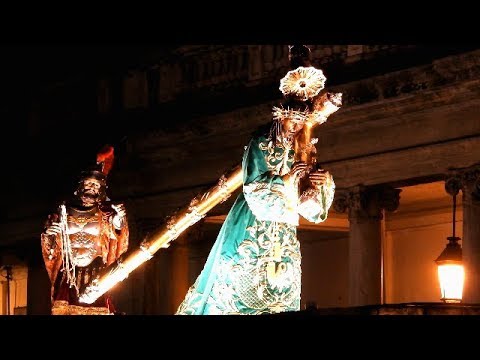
(120, 209)
(120, 215)
(53, 229)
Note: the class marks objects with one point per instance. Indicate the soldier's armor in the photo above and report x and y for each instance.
(83, 230)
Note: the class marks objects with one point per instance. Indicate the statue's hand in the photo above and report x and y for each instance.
(319, 177)
(297, 171)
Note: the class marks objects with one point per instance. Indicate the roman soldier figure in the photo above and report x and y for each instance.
(86, 234)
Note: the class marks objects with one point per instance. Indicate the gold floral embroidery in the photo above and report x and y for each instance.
(279, 158)
(187, 307)
(267, 276)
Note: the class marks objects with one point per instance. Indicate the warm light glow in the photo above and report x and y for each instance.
(100, 286)
(451, 278)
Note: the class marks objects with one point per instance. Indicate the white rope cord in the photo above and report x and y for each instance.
(68, 265)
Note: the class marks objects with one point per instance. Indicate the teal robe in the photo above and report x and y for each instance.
(254, 267)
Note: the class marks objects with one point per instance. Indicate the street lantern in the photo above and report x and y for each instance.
(451, 273)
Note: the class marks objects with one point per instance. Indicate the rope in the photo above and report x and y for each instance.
(68, 265)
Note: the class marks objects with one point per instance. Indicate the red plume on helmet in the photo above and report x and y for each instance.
(105, 159)
(99, 172)
(102, 167)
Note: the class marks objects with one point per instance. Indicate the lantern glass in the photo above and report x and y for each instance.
(451, 276)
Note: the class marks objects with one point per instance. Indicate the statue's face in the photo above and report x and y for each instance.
(291, 127)
(89, 191)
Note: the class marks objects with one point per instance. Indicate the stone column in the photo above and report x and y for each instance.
(470, 185)
(365, 207)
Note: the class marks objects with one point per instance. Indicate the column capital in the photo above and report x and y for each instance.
(453, 184)
(465, 179)
(366, 202)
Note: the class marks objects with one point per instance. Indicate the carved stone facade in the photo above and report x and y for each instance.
(192, 69)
